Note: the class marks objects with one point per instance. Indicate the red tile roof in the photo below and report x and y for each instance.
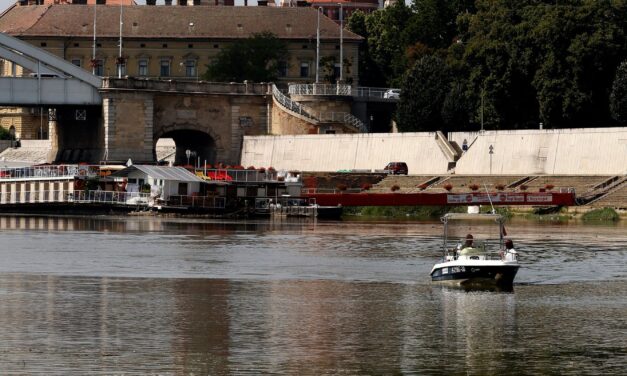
(168, 22)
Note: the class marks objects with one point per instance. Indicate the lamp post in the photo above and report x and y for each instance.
(491, 151)
(120, 58)
(318, 47)
(341, 43)
(188, 153)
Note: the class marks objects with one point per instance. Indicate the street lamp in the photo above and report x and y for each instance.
(188, 153)
(341, 42)
(318, 47)
(491, 151)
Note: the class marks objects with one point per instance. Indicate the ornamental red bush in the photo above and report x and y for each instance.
(366, 186)
(395, 188)
(448, 187)
(474, 187)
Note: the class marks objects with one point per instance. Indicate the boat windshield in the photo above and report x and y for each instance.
(482, 232)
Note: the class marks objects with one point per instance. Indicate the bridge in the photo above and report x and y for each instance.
(53, 81)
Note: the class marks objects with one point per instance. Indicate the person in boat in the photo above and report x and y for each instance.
(509, 253)
(469, 247)
(469, 241)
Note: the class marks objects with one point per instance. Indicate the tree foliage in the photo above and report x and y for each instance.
(618, 97)
(422, 95)
(530, 60)
(255, 58)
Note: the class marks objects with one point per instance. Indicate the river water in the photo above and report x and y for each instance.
(143, 295)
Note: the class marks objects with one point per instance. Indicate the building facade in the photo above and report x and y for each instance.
(171, 42)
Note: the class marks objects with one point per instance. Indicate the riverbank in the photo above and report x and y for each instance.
(549, 214)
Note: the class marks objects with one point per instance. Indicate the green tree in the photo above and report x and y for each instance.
(369, 72)
(255, 58)
(386, 42)
(618, 97)
(423, 92)
(5, 134)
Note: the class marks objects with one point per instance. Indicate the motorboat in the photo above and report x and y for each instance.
(487, 261)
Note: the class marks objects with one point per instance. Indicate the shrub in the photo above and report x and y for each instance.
(474, 187)
(523, 187)
(251, 168)
(341, 187)
(448, 187)
(602, 215)
(271, 169)
(366, 186)
(262, 170)
(499, 187)
(238, 167)
(395, 188)
(548, 187)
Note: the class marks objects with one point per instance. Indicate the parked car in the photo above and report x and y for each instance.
(397, 168)
(392, 94)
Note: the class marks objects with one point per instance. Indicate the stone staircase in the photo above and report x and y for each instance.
(29, 152)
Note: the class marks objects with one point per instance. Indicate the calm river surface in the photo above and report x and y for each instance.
(140, 295)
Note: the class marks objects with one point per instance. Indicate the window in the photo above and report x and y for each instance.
(216, 46)
(142, 45)
(165, 45)
(76, 45)
(142, 67)
(99, 67)
(165, 68)
(336, 71)
(122, 68)
(190, 46)
(282, 68)
(76, 62)
(101, 2)
(304, 69)
(43, 44)
(190, 68)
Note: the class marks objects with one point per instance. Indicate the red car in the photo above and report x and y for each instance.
(397, 168)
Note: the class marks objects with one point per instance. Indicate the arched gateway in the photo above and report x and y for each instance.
(206, 118)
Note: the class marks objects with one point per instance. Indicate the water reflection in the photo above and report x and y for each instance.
(163, 326)
(298, 298)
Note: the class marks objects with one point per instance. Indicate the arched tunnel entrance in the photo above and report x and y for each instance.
(173, 147)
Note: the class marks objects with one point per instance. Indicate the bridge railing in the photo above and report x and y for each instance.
(343, 117)
(293, 106)
(320, 89)
(290, 104)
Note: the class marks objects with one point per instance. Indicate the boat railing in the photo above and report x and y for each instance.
(59, 196)
(51, 171)
(111, 197)
(242, 176)
(205, 202)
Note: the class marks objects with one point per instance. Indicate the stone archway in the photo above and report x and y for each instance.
(201, 145)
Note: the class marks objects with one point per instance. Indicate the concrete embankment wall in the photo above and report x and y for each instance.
(600, 151)
(345, 152)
